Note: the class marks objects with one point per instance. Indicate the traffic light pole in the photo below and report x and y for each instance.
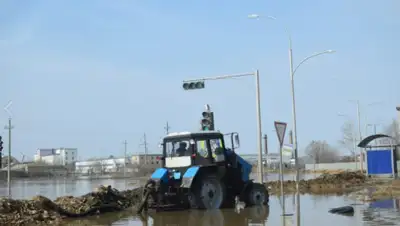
(258, 109)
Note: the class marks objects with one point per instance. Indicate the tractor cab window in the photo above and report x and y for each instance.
(216, 147)
(178, 148)
(201, 148)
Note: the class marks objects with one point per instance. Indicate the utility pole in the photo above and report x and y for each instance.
(9, 127)
(360, 136)
(145, 144)
(167, 127)
(125, 149)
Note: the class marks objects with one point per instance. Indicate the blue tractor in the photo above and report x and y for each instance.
(199, 171)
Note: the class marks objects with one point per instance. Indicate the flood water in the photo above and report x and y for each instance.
(314, 209)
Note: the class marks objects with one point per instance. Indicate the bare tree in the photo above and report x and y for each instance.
(322, 152)
(393, 130)
(348, 140)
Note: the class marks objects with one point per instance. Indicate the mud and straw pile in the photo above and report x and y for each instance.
(325, 184)
(41, 210)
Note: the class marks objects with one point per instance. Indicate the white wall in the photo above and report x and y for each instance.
(51, 159)
(335, 166)
(98, 166)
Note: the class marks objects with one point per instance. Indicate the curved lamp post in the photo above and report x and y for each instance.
(292, 72)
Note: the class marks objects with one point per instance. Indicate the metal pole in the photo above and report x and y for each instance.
(354, 147)
(281, 180)
(294, 134)
(359, 133)
(259, 132)
(266, 155)
(9, 159)
(125, 149)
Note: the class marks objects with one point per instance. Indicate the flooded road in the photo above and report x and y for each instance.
(314, 212)
(314, 208)
(27, 188)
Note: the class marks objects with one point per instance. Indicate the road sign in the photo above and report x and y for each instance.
(280, 128)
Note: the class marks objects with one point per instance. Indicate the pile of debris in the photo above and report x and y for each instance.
(41, 210)
(326, 183)
(347, 177)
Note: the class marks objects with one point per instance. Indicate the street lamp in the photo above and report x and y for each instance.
(292, 72)
(199, 84)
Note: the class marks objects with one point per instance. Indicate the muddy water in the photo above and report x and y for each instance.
(314, 209)
(314, 212)
(22, 189)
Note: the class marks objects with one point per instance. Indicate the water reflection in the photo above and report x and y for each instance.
(249, 216)
(25, 189)
(383, 212)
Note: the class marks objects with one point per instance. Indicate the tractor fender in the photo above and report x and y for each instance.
(195, 172)
(160, 175)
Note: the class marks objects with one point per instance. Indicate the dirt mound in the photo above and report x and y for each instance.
(326, 183)
(41, 210)
(347, 177)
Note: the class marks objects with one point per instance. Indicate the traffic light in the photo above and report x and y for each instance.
(193, 85)
(207, 123)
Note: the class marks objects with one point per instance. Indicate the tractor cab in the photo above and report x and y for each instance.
(185, 149)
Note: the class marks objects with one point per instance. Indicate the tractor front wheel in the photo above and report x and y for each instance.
(209, 193)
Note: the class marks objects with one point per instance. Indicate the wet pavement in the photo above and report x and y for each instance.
(314, 209)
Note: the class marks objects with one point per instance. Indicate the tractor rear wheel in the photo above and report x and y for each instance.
(209, 193)
(257, 195)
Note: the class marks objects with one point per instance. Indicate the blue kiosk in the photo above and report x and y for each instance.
(380, 160)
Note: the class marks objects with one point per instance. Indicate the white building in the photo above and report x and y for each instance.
(111, 165)
(100, 165)
(58, 156)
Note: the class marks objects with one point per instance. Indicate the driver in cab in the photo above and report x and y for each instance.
(181, 151)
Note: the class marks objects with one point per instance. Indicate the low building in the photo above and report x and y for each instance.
(56, 156)
(101, 166)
